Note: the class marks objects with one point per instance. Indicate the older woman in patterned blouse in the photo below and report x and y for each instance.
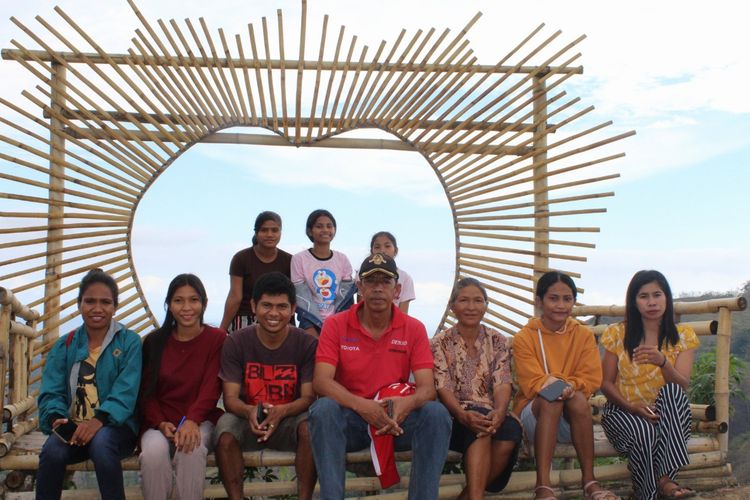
(473, 380)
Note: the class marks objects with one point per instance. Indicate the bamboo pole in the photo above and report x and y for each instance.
(282, 74)
(314, 121)
(21, 330)
(721, 392)
(269, 72)
(318, 69)
(680, 307)
(258, 76)
(516, 206)
(5, 361)
(520, 251)
(53, 267)
(15, 307)
(701, 328)
(300, 72)
(11, 411)
(78, 57)
(19, 429)
(248, 87)
(528, 239)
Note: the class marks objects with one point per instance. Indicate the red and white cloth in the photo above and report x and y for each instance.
(381, 446)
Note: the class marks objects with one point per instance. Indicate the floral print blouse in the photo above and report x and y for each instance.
(471, 378)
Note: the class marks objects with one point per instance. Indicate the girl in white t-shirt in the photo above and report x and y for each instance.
(384, 242)
(321, 269)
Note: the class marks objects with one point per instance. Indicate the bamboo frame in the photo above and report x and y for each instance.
(117, 121)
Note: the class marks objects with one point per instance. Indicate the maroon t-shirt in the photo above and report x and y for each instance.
(246, 265)
(188, 385)
(268, 375)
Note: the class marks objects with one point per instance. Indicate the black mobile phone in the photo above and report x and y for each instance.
(260, 415)
(389, 408)
(554, 390)
(65, 431)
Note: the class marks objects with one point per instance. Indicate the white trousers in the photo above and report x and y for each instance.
(161, 465)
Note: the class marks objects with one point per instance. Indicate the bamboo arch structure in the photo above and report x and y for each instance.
(511, 149)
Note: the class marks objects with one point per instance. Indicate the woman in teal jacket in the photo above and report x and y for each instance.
(88, 395)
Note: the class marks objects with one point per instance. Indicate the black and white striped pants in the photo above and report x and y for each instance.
(653, 450)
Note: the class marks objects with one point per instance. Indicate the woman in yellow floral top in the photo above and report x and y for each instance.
(646, 371)
(473, 380)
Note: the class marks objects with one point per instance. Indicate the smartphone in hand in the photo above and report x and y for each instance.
(260, 416)
(553, 391)
(389, 408)
(65, 431)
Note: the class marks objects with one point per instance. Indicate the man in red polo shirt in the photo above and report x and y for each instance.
(360, 351)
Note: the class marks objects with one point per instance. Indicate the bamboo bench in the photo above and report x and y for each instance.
(703, 449)
(708, 469)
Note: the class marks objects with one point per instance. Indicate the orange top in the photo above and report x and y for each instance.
(571, 356)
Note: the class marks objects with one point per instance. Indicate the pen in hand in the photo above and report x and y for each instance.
(182, 421)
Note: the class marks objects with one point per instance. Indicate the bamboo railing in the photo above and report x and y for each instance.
(721, 328)
(520, 161)
(16, 356)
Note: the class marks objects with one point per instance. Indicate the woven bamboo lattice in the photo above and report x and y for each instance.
(516, 155)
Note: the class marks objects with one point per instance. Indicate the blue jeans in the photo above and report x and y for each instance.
(106, 449)
(336, 430)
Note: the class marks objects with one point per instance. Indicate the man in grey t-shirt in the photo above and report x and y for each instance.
(266, 371)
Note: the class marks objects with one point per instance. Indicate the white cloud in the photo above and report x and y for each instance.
(403, 174)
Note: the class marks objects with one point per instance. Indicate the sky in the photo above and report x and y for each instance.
(675, 72)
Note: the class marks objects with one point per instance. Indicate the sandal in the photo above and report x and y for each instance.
(677, 491)
(547, 488)
(598, 494)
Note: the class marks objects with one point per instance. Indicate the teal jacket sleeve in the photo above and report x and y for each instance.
(54, 395)
(119, 405)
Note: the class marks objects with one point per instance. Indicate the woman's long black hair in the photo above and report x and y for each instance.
(634, 323)
(153, 345)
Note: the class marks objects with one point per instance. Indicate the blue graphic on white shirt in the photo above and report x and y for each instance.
(325, 287)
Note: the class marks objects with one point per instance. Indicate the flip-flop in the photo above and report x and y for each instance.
(544, 487)
(598, 494)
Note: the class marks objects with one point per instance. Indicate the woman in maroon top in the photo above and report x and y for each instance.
(179, 391)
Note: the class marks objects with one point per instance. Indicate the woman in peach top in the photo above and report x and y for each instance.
(473, 380)
(647, 364)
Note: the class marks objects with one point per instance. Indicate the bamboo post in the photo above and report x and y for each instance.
(5, 315)
(541, 206)
(721, 391)
(56, 210)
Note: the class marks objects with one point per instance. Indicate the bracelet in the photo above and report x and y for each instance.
(663, 362)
